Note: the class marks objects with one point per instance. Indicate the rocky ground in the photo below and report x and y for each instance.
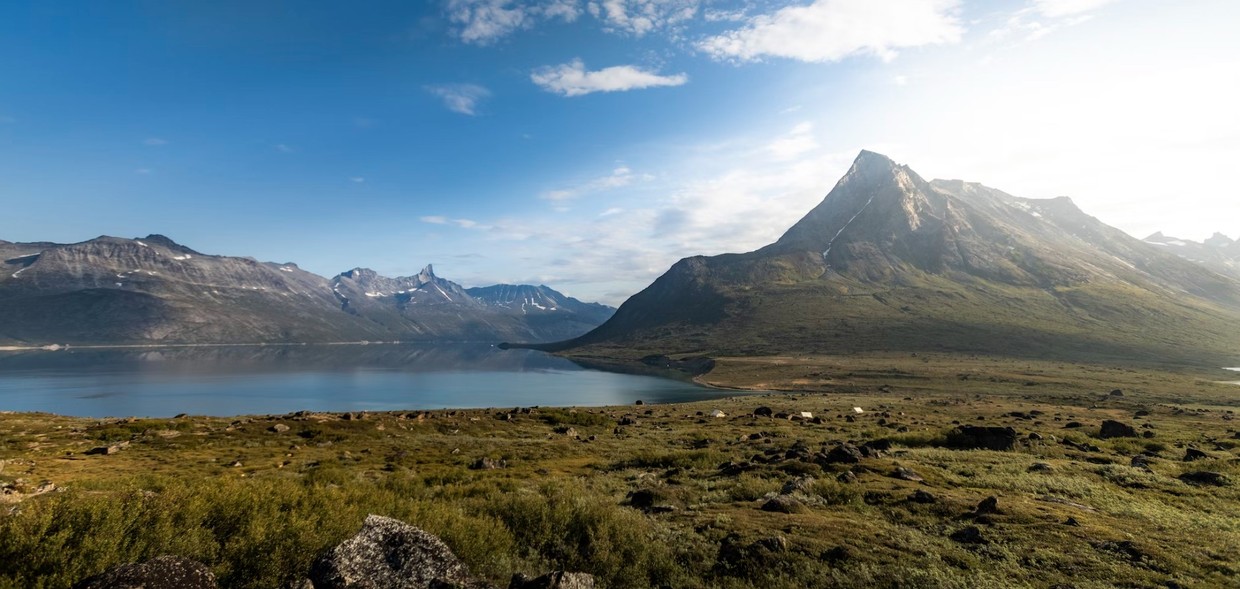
(916, 471)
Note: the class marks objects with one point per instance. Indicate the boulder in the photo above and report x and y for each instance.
(797, 485)
(842, 454)
(968, 535)
(390, 554)
(1116, 429)
(988, 506)
(487, 463)
(1192, 454)
(971, 437)
(763, 412)
(278, 428)
(554, 580)
(161, 572)
(783, 504)
(1205, 478)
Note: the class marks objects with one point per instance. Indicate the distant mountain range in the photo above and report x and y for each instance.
(154, 290)
(1219, 253)
(891, 262)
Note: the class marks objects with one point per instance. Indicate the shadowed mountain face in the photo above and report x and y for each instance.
(153, 290)
(890, 261)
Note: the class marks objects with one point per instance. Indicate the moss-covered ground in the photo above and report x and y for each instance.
(257, 504)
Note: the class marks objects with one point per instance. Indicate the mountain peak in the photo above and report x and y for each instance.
(427, 274)
(1219, 240)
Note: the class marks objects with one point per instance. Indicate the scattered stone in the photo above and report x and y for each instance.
(1073, 425)
(783, 504)
(906, 474)
(842, 454)
(797, 485)
(105, 450)
(837, 554)
(1117, 393)
(278, 428)
(969, 437)
(988, 506)
(643, 499)
(847, 477)
(161, 572)
(1116, 429)
(920, 496)
(1194, 454)
(488, 463)
(1205, 478)
(1071, 521)
(555, 580)
(1041, 467)
(968, 535)
(626, 420)
(390, 554)
(718, 414)
(1140, 461)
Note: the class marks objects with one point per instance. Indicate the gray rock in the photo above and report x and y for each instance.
(783, 504)
(390, 554)
(970, 437)
(161, 572)
(1116, 429)
(554, 580)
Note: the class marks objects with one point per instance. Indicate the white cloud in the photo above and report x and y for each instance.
(798, 141)
(154, 141)
(483, 22)
(462, 223)
(357, 180)
(282, 148)
(619, 177)
(1058, 8)
(143, 171)
(831, 30)
(638, 17)
(572, 79)
(460, 98)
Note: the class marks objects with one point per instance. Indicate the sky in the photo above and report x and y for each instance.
(589, 144)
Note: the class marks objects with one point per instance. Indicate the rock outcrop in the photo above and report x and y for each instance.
(163, 572)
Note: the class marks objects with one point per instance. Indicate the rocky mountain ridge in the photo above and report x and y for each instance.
(890, 261)
(1218, 253)
(153, 290)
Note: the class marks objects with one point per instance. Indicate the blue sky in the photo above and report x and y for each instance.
(589, 144)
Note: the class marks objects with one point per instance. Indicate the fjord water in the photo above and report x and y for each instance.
(279, 379)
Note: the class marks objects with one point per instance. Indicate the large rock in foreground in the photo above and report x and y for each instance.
(390, 554)
(163, 572)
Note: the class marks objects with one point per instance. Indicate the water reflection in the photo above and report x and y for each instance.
(277, 379)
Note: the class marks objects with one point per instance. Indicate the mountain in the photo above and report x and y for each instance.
(1218, 253)
(154, 290)
(891, 262)
(542, 306)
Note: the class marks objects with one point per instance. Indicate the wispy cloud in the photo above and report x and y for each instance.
(619, 177)
(572, 79)
(282, 148)
(462, 223)
(460, 98)
(357, 180)
(154, 141)
(831, 30)
(1042, 17)
(1058, 8)
(482, 22)
(638, 17)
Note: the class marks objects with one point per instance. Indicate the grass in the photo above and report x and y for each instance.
(257, 506)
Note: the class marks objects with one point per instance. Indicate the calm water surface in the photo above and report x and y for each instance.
(248, 380)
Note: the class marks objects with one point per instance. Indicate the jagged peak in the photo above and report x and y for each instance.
(427, 274)
(1156, 236)
(358, 273)
(1219, 240)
